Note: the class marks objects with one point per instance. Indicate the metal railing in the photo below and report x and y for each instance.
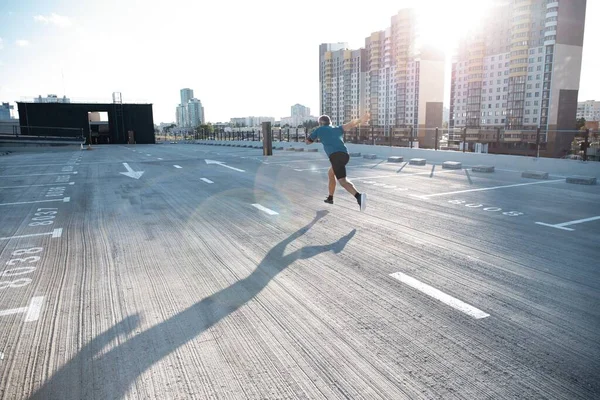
(582, 144)
(14, 131)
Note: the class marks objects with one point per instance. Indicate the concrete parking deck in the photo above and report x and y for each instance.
(196, 271)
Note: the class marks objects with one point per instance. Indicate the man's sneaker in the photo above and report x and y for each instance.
(362, 201)
(329, 200)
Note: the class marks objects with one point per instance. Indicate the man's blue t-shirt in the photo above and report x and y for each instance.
(332, 138)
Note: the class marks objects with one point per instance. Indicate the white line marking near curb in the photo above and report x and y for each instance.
(404, 175)
(54, 173)
(265, 209)
(28, 186)
(206, 180)
(441, 296)
(55, 234)
(488, 188)
(562, 225)
(65, 200)
(35, 307)
(177, 166)
(160, 158)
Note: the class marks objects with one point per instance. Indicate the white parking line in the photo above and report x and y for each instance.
(159, 158)
(27, 186)
(34, 309)
(54, 173)
(265, 209)
(488, 188)
(206, 180)
(398, 175)
(55, 234)
(562, 225)
(177, 166)
(441, 296)
(64, 200)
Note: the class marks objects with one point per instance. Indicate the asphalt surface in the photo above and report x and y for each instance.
(233, 280)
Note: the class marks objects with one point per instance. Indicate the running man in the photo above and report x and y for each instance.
(332, 138)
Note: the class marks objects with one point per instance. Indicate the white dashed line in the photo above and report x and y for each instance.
(441, 296)
(265, 209)
(177, 166)
(34, 309)
(206, 180)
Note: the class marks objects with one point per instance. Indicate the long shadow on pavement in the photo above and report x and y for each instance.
(97, 371)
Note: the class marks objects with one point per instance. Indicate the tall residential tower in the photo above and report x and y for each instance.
(394, 77)
(519, 68)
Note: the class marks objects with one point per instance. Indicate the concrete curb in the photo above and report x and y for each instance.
(396, 159)
(451, 165)
(355, 155)
(483, 168)
(370, 156)
(535, 175)
(418, 161)
(581, 180)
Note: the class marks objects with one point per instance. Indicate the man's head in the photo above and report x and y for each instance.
(324, 120)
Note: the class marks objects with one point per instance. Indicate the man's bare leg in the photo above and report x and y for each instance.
(331, 182)
(349, 186)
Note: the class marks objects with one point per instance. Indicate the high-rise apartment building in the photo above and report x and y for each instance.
(590, 110)
(397, 79)
(195, 112)
(340, 71)
(190, 113)
(519, 68)
(186, 95)
(181, 116)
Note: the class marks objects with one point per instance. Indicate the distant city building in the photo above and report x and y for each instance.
(395, 78)
(190, 112)
(519, 69)
(590, 110)
(195, 112)
(250, 121)
(186, 95)
(5, 111)
(51, 98)
(181, 116)
(300, 115)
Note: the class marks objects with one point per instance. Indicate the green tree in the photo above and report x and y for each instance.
(580, 123)
(309, 124)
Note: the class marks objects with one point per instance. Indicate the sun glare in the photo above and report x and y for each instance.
(443, 22)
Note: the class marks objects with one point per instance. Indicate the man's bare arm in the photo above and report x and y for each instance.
(352, 124)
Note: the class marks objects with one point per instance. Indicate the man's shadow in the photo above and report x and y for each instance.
(98, 371)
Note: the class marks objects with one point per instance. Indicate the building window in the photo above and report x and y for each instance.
(535, 120)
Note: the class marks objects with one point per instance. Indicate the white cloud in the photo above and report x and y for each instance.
(54, 19)
(22, 43)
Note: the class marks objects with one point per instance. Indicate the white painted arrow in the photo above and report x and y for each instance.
(222, 164)
(131, 173)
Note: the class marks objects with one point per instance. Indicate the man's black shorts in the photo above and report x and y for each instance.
(338, 163)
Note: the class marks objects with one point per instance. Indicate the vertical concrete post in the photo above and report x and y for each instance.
(436, 137)
(267, 139)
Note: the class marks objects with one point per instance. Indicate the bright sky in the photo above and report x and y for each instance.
(240, 57)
